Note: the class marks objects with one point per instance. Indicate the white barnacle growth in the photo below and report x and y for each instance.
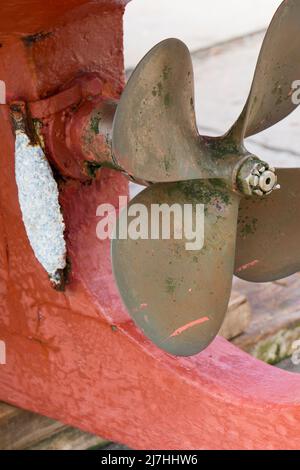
(38, 198)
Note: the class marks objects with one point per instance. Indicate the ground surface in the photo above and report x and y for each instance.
(199, 23)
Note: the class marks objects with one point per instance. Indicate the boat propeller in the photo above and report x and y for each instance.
(179, 296)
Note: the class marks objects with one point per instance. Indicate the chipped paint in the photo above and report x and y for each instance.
(143, 306)
(38, 198)
(184, 328)
(247, 266)
(33, 38)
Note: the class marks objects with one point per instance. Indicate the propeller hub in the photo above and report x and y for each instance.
(256, 178)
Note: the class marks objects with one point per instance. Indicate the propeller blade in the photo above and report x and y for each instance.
(268, 234)
(278, 67)
(155, 137)
(179, 297)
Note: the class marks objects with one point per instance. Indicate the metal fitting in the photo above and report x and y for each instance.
(256, 178)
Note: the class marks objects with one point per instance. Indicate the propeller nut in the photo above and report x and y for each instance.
(256, 178)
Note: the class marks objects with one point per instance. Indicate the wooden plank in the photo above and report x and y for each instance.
(20, 429)
(70, 439)
(238, 317)
(275, 324)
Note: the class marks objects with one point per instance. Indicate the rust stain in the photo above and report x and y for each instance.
(188, 326)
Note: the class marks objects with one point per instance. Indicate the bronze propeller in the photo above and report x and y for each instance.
(178, 297)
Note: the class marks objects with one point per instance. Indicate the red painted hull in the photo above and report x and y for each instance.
(76, 356)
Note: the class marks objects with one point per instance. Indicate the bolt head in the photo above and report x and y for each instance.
(267, 181)
(257, 178)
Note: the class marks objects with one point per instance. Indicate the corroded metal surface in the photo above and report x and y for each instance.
(155, 138)
(179, 297)
(41, 213)
(257, 178)
(89, 135)
(38, 197)
(268, 232)
(270, 98)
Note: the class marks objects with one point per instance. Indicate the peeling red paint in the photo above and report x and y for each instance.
(143, 306)
(247, 266)
(188, 326)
